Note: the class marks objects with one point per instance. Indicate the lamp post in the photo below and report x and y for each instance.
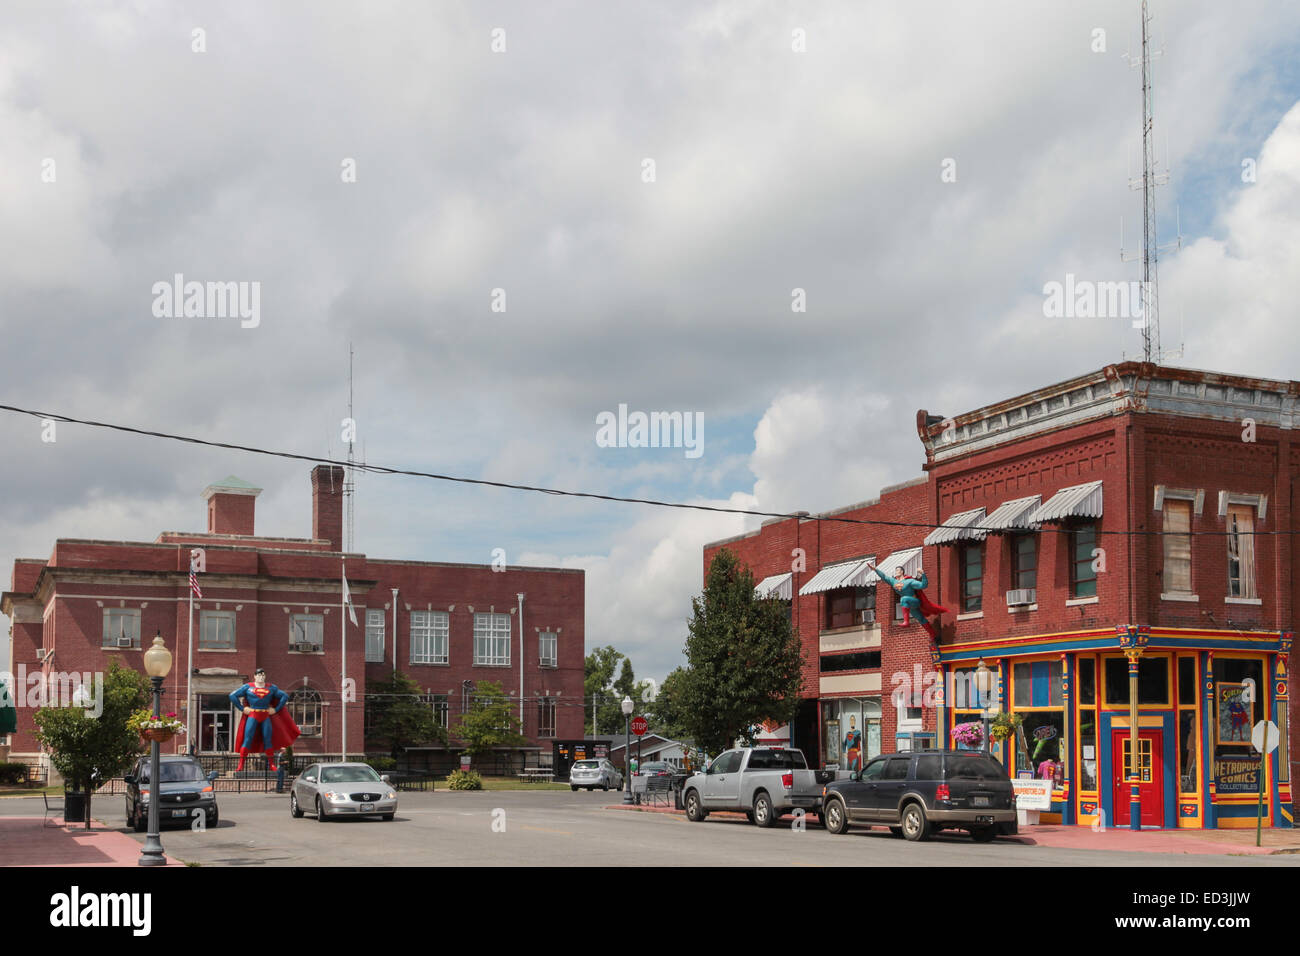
(627, 750)
(157, 662)
(983, 683)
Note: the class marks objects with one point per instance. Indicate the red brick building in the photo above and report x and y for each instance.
(1137, 512)
(276, 603)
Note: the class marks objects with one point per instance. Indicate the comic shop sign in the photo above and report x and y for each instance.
(1237, 774)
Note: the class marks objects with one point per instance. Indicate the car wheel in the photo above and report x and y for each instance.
(388, 817)
(295, 811)
(695, 811)
(212, 820)
(605, 786)
(837, 820)
(896, 831)
(915, 825)
(764, 815)
(320, 812)
(573, 787)
(983, 834)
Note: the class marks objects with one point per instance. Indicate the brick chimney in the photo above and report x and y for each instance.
(327, 505)
(230, 506)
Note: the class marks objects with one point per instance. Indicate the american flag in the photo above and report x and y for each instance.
(194, 578)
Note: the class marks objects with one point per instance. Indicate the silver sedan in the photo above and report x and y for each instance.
(332, 790)
(595, 773)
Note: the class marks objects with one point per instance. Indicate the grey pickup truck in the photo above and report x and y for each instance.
(761, 782)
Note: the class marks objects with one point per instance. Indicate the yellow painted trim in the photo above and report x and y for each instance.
(1155, 723)
(1049, 818)
(1241, 823)
(1191, 823)
(1175, 633)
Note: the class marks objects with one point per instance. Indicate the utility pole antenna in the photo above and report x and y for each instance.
(1149, 320)
(349, 479)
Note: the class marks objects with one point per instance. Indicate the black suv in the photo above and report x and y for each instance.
(918, 793)
(186, 792)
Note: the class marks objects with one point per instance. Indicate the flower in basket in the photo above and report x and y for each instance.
(144, 719)
(970, 734)
(1004, 726)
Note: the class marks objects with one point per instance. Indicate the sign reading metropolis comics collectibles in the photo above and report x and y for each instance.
(1237, 774)
(1234, 718)
(1032, 794)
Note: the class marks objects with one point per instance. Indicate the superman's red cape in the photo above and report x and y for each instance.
(928, 608)
(283, 730)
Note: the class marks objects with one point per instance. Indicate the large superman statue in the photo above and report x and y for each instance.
(264, 723)
(912, 597)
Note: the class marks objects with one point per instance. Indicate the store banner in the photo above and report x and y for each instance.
(1032, 794)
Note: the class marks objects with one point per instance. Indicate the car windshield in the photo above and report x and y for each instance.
(587, 765)
(176, 772)
(348, 775)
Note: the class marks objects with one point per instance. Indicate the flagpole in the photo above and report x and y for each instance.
(343, 626)
(189, 670)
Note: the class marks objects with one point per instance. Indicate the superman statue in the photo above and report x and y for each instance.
(912, 597)
(264, 723)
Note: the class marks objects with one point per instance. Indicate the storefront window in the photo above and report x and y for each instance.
(1044, 733)
(850, 732)
(1187, 681)
(1187, 751)
(1153, 680)
(1238, 689)
(1088, 748)
(1087, 680)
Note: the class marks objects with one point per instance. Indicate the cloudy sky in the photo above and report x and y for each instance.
(920, 172)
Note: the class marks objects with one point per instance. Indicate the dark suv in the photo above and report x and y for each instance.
(915, 794)
(186, 792)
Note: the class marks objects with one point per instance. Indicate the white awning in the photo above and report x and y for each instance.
(957, 528)
(909, 558)
(1013, 515)
(849, 574)
(776, 585)
(1077, 501)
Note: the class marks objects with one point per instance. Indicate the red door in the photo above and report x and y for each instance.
(1150, 778)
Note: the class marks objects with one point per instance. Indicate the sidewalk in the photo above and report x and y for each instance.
(1221, 842)
(28, 843)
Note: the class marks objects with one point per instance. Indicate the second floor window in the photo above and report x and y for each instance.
(375, 636)
(216, 630)
(121, 628)
(1241, 551)
(1083, 577)
(548, 649)
(429, 631)
(1024, 561)
(844, 606)
(971, 558)
(492, 639)
(1177, 538)
(307, 633)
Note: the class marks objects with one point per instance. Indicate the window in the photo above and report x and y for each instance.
(375, 636)
(216, 630)
(844, 606)
(1038, 684)
(429, 631)
(1178, 547)
(874, 770)
(971, 558)
(121, 628)
(1153, 680)
(1083, 576)
(307, 632)
(1024, 561)
(1241, 551)
(1236, 763)
(548, 649)
(440, 707)
(546, 718)
(862, 660)
(305, 709)
(896, 768)
(492, 640)
(1086, 681)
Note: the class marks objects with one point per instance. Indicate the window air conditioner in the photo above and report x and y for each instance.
(1020, 597)
(869, 616)
(124, 642)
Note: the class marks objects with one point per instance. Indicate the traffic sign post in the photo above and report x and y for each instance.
(1263, 738)
(639, 726)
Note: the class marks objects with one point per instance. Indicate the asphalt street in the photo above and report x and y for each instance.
(519, 828)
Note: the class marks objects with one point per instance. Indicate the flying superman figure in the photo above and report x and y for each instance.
(264, 723)
(912, 597)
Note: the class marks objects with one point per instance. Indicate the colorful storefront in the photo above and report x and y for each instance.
(850, 732)
(1199, 696)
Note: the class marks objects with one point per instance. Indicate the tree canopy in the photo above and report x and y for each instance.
(605, 692)
(398, 715)
(492, 720)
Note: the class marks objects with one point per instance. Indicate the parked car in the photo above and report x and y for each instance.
(186, 791)
(916, 794)
(655, 768)
(762, 782)
(342, 790)
(595, 773)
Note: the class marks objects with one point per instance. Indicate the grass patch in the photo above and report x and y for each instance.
(514, 783)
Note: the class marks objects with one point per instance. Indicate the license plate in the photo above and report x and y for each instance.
(980, 801)
(180, 813)
(984, 819)
(366, 807)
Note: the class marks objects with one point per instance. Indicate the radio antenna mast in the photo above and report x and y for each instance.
(349, 480)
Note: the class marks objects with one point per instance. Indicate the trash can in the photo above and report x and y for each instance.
(74, 806)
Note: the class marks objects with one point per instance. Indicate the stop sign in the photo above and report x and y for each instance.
(639, 725)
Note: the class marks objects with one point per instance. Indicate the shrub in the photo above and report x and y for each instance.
(382, 764)
(13, 773)
(464, 780)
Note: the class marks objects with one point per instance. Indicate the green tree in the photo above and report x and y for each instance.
(85, 748)
(605, 692)
(667, 712)
(492, 721)
(744, 664)
(399, 717)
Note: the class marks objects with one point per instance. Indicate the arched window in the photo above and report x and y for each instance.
(305, 709)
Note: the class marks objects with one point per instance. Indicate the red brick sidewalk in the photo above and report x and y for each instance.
(27, 842)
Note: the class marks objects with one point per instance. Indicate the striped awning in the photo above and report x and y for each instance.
(849, 574)
(775, 585)
(909, 558)
(1077, 501)
(957, 528)
(1013, 515)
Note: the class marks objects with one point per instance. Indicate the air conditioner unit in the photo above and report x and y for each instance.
(869, 616)
(307, 648)
(42, 653)
(1021, 597)
(125, 642)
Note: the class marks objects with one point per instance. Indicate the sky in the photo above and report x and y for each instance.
(796, 222)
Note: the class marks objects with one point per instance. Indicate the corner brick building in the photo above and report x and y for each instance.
(1137, 511)
(276, 603)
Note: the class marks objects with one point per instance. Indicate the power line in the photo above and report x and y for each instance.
(653, 502)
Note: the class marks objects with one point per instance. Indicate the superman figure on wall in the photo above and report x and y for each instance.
(912, 596)
(264, 722)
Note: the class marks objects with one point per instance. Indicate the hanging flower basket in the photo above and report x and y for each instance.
(159, 734)
(152, 727)
(968, 734)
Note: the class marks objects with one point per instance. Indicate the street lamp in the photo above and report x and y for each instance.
(627, 749)
(157, 662)
(984, 684)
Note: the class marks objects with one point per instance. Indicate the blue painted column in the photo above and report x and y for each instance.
(1207, 748)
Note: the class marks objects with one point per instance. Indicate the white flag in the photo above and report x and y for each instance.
(347, 599)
